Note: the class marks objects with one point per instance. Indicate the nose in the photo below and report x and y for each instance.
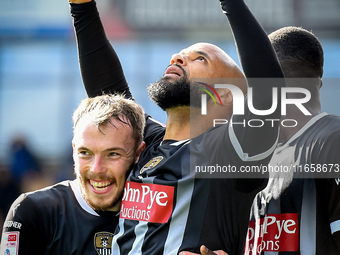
(98, 166)
(178, 59)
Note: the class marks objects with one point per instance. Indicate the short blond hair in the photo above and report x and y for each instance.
(101, 109)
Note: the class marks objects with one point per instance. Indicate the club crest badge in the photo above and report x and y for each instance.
(152, 163)
(103, 243)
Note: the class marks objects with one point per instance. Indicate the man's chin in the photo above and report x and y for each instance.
(100, 205)
(171, 92)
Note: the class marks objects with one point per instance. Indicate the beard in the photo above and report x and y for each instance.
(167, 93)
(96, 203)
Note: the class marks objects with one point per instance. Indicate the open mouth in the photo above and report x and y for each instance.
(100, 186)
(174, 70)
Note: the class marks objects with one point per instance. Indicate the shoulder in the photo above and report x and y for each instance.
(328, 140)
(41, 200)
(50, 193)
(328, 124)
(319, 129)
(154, 130)
(35, 216)
(329, 128)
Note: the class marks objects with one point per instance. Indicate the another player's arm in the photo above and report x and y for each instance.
(99, 64)
(258, 60)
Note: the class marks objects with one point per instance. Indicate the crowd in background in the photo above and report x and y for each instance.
(26, 171)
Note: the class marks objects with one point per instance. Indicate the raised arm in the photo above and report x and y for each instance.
(100, 67)
(257, 56)
(258, 60)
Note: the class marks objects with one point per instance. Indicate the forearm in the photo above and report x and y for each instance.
(258, 60)
(99, 64)
(257, 57)
(256, 54)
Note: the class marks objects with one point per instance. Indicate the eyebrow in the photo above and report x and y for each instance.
(115, 149)
(108, 149)
(203, 53)
(82, 148)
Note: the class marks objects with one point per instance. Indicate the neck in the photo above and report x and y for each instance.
(313, 106)
(183, 123)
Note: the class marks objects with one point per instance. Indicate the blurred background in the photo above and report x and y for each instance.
(40, 82)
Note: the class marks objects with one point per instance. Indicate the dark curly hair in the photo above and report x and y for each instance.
(299, 52)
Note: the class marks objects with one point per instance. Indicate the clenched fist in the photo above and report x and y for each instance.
(225, 4)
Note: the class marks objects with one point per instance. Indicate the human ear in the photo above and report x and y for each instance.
(226, 96)
(139, 150)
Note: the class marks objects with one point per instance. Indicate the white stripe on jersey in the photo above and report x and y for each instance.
(157, 122)
(140, 232)
(244, 156)
(75, 186)
(308, 218)
(270, 253)
(310, 123)
(335, 226)
(176, 227)
(273, 208)
(179, 217)
(115, 248)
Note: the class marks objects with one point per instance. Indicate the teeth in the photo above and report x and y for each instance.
(100, 186)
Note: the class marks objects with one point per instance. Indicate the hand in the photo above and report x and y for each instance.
(204, 251)
(79, 1)
(225, 4)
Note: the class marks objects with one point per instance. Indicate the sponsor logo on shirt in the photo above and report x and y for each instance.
(275, 232)
(10, 243)
(103, 242)
(147, 202)
(12, 224)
